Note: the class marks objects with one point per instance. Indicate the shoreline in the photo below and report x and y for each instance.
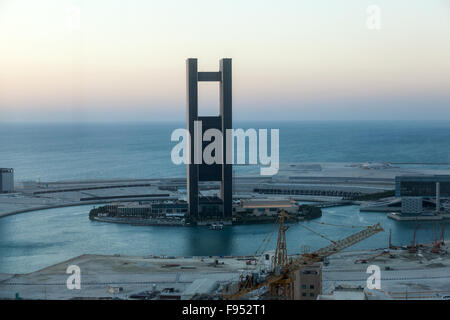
(400, 272)
(309, 182)
(203, 223)
(12, 213)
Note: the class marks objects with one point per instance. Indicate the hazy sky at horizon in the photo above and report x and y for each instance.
(292, 60)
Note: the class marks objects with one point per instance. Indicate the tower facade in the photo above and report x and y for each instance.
(208, 172)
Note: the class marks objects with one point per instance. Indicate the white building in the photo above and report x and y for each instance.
(412, 205)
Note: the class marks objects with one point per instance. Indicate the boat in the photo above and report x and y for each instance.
(216, 226)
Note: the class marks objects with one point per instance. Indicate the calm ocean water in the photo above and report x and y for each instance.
(34, 240)
(88, 151)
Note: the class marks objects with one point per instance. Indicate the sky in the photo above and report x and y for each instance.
(124, 60)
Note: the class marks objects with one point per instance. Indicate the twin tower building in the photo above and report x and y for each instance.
(213, 172)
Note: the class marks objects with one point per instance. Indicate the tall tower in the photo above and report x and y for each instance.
(204, 172)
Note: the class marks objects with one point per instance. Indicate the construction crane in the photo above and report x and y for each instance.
(437, 243)
(413, 247)
(280, 282)
(281, 258)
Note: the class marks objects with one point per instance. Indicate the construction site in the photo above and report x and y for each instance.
(417, 271)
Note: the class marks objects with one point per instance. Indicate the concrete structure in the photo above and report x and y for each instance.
(345, 292)
(203, 286)
(412, 205)
(307, 185)
(308, 282)
(6, 180)
(406, 205)
(422, 186)
(417, 191)
(269, 207)
(294, 189)
(196, 169)
(145, 209)
(384, 205)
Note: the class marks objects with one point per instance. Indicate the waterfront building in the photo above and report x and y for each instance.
(147, 210)
(267, 207)
(208, 172)
(400, 205)
(426, 188)
(6, 180)
(210, 209)
(422, 186)
(307, 282)
(293, 189)
(412, 205)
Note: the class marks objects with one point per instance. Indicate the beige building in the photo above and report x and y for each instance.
(267, 207)
(307, 282)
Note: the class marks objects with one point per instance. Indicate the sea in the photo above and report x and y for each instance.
(79, 151)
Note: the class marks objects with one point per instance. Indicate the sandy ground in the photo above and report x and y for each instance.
(401, 271)
(133, 274)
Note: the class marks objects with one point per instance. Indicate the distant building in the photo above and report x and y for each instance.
(210, 208)
(266, 207)
(417, 191)
(412, 205)
(307, 282)
(422, 186)
(147, 210)
(6, 180)
(223, 171)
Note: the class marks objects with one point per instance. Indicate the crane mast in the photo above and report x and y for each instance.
(281, 258)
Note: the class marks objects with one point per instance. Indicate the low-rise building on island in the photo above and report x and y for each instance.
(175, 212)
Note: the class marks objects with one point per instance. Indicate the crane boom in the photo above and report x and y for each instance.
(339, 245)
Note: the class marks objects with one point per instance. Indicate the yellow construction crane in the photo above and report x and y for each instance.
(280, 282)
(281, 258)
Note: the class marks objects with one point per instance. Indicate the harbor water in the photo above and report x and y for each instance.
(71, 151)
(34, 240)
